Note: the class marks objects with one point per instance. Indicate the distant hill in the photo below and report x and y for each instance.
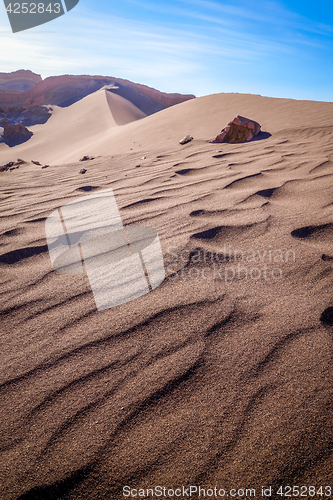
(25, 89)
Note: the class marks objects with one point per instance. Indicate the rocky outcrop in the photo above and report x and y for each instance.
(6, 166)
(15, 134)
(35, 115)
(240, 129)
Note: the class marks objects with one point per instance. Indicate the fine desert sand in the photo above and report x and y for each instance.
(221, 376)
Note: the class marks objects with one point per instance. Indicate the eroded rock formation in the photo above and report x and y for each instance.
(240, 129)
(15, 134)
(24, 88)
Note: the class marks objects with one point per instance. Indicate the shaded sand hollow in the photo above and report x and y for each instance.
(220, 377)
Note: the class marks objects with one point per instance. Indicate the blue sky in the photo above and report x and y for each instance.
(273, 48)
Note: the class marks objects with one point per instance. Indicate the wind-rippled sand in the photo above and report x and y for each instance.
(202, 381)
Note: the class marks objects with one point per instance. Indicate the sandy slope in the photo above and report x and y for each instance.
(70, 130)
(205, 380)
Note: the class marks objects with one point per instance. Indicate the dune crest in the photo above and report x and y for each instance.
(123, 111)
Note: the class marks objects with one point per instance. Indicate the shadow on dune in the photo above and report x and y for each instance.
(266, 193)
(306, 232)
(327, 316)
(184, 171)
(261, 136)
(56, 491)
(226, 233)
(195, 213)
(38, 219)
(11, 232)
(326, 257)
(23, 253)
(146, 200)
(209, 234)
(87, 188)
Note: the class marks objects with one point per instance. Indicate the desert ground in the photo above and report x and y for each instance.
(221, 376)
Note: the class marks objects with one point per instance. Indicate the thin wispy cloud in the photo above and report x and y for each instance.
(188, 46)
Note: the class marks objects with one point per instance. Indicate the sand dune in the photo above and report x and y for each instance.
(88, 127)
(70, 130)
(218, 377)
